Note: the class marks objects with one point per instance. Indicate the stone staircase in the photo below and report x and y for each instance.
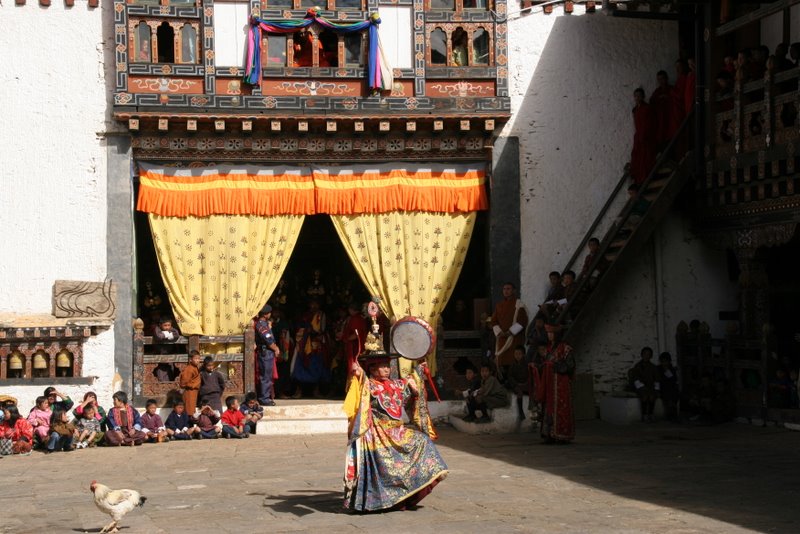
(321, 416)
(303, 417)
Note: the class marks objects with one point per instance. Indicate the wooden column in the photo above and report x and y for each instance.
(753, 292)
(138, 357)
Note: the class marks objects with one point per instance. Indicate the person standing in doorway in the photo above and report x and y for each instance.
(266, 349)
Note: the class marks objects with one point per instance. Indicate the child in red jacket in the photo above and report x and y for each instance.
(233, 420)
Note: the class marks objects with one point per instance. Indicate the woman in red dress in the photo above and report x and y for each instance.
(643, 155)
(553, 389)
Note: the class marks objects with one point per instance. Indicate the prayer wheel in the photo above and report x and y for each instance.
(40, 360)
(15, 361)
(64, 359)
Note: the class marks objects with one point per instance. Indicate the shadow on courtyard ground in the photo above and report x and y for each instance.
(736, 473)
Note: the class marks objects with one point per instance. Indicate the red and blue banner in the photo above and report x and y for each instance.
(379, 72)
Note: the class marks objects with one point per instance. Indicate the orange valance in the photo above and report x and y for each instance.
(345, 190)
(225, 190)
(437, 188)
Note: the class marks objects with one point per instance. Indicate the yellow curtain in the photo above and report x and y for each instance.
(219, 270)
(411, 260)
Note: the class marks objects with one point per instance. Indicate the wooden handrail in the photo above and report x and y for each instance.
(623, 217)
(596, 223)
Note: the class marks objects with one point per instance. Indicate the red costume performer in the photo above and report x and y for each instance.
(553, 390)
(353, 335)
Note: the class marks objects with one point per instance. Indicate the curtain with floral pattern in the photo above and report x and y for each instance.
(411, 260)
(220, 270)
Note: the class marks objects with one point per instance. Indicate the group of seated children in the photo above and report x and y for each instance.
(50, 427)
(487, 391)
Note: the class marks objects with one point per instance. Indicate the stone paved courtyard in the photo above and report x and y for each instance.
(649, 478)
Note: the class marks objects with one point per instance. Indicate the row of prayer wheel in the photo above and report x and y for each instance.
(40, 363)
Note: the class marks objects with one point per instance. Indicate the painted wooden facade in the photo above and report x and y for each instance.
(182, 105)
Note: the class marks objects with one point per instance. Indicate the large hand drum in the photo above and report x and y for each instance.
(413, 338)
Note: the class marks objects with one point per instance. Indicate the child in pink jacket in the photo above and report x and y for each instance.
(39, 418)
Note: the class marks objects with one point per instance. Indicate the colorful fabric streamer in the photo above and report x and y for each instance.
(379, 72)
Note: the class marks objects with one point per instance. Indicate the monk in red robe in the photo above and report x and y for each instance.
(664, 126)
(688, 91)
(643, 155)
(508, 323)
(304, 49)
(553, 389)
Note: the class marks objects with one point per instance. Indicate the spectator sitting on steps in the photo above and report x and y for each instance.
(491, 394)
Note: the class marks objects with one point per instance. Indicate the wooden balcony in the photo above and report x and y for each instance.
(752, 151)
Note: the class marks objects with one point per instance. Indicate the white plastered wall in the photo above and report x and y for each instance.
(571, 84)
(53, 98)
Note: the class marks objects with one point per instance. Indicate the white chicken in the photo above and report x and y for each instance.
(115, 503)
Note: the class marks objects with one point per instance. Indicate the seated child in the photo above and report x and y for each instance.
(233, 420)
(473, 382)
(16, 428)
(517, 378)
(90, 399)
(124, 423)
(253, 412)
(491, 394)
(89, 430)
(62, 432)
(207, 422)
(152, 425)
(180, 425)
(39, 418)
